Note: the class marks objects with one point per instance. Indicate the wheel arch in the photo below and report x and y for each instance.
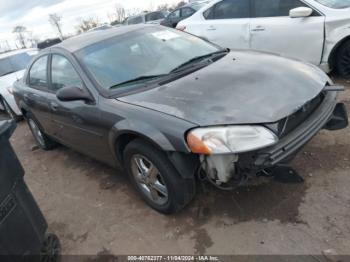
(126, 131)
(333, 53)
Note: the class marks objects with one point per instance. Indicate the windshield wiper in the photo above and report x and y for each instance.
(138, 79)
(198, 59)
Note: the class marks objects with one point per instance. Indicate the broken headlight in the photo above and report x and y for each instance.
(230, 139)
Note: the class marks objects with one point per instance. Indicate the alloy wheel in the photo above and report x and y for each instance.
(149, 179)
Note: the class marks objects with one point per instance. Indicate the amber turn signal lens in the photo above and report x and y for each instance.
(197, 146)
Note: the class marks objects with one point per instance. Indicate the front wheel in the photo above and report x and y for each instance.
(343, 60)
(156, 179)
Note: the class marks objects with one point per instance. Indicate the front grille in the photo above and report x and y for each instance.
(288, 124)
(296, 139)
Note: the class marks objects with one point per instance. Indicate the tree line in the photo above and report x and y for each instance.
(115, 16)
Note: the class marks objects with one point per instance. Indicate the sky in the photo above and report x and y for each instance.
(33, 14)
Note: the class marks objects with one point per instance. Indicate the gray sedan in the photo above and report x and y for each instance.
(173, 109)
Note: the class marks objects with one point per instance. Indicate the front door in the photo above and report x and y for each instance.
(274, 31)
(77, 124)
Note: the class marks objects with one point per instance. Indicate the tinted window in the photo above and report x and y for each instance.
(337, 4)
(271, 8)
(154, 16)
(135, 20)
(151, 51)
(63, 74)
(186, 12)
(227, 9)
(37, 73)
(175, 14)
(14, 63)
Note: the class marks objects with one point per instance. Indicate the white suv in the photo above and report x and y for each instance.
(12, 67)
(317, 31)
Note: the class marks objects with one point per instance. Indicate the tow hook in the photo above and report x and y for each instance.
(283, 174)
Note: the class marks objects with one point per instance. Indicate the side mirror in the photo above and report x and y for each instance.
(74, 93)
(300, 12)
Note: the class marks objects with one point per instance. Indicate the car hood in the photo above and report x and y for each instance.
(244, 87)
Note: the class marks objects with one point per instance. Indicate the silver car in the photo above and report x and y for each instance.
(12, 67)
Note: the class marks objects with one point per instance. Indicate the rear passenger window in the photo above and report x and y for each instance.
(272, 8)
(38, 73)
(228, 9)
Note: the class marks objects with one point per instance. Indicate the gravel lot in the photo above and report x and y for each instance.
(94, 209)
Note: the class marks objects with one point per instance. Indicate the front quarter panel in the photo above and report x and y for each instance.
(337, 29)
(164, 131)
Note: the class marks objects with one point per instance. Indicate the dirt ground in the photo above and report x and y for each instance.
(94, 209)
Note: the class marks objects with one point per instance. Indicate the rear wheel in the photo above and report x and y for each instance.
(156, 179)
(343, 60)
(40, 137)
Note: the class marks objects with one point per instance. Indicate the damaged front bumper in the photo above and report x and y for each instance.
(328, 115)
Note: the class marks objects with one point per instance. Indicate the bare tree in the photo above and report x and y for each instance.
(120, 13)
(20, 31)
(56, 21)
(163, 7)
(181, 3)
(87, 24)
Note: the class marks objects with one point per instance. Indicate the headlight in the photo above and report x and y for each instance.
(228, 140)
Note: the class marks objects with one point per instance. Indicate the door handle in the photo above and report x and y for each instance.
(53, 106)
(211, 28)
(258, 28)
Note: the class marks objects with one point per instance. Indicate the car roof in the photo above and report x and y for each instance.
(15, 52)
(76, 43)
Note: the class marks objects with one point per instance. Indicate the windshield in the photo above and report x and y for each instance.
(151, 51)
(14, 63)
(337, 4)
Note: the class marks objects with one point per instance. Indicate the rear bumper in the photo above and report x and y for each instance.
(329, 115)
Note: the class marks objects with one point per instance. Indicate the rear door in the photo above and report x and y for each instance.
(274, 31)
(227, 24)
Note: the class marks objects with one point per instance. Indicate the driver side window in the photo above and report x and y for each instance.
(63, 74)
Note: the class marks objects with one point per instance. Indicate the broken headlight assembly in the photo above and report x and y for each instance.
(229, 139)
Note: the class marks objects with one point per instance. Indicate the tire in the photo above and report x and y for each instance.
(343, 60)
(9, 110)
(51, 249)
(161, 186)
(43, 141)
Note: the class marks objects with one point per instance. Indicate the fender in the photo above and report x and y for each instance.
(183, 161)
(140, 129)
(336, 33)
